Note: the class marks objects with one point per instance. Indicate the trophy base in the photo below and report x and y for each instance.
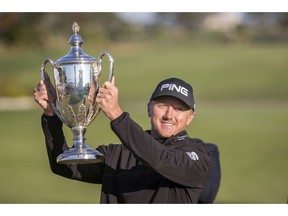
(76, 156)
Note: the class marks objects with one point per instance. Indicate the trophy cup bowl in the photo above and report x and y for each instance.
(76, 82)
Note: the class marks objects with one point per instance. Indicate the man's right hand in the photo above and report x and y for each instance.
(45, 93)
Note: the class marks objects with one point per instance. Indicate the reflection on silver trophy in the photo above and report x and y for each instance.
(76, 81)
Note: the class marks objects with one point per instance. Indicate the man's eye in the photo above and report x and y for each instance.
(161, 105)
(178, 108)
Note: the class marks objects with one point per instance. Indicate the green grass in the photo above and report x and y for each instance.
(216, 72)
(251, 139)
(241, 95)
(252, 142)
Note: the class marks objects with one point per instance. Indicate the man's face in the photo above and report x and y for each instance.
(169, 116)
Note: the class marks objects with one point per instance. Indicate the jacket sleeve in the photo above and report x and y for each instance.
(212, 184)
(56, 144)
(172, 163)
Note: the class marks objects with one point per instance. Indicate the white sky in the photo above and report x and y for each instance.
(138, 18)
(144, 6)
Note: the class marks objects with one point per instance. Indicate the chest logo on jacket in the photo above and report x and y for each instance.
(193, 155)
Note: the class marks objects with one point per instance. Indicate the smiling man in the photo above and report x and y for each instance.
(169, 116)
(171, 108)
(161, 165)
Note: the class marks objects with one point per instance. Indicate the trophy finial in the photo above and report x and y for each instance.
(75, 39)
(75, 27)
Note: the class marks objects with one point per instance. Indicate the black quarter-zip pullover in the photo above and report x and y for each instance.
(141, 169)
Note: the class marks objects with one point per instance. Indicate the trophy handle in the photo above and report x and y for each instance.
(51, 103)
(111, 73)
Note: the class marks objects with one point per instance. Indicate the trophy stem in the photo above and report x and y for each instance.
(79, 137)
(80, 153)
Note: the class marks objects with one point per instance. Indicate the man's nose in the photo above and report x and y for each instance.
(169, 112)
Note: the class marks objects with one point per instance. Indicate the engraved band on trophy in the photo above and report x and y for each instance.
(76, 82)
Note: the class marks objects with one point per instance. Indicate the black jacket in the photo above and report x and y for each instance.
(212, 184)
(141, 169)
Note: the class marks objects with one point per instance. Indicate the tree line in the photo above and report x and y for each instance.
(45, 29)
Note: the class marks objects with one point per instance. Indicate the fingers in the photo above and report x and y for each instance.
(40, 92)
(113, 80)
(40, 87)
(41, 97)
(109, 85)
(107, 99)
(107, 91)
(106, 94)
(43, 92)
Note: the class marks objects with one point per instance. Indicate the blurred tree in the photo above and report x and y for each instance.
(267, 27)
(12, 26)
(283, 20)
(50, 29)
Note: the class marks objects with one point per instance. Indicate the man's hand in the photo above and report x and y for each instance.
(107, 98)
(45, 93)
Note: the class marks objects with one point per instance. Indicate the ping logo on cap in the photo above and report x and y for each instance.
(172, 87)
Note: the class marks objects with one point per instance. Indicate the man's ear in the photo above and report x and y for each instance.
(149, 109)
(190, 118)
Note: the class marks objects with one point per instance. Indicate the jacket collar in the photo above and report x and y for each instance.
(168, 141)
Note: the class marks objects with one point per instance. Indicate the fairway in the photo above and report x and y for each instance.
(241, 95)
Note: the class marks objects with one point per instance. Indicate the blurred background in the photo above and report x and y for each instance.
(237, 64)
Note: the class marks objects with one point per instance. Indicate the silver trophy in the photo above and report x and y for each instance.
(76, 82)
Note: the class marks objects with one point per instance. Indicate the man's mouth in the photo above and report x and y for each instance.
(167, 124)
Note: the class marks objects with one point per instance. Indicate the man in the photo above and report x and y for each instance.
(161, 165)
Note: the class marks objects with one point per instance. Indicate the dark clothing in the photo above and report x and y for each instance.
(212, 184)
(141, 169)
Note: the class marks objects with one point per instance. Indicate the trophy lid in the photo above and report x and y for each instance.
(76, 55)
